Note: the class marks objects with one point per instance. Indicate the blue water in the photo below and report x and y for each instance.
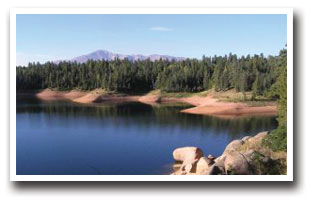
(64, 138)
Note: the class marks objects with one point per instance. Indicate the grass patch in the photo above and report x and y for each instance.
(177, 94)
(158, 92)
(239, 97)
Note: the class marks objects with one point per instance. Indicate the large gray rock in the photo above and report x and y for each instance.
(203, 165)
(220, 160)
(218, 168)
(245, 138)
(189, 157)
(236, 163)
(187, 154)
(259, 137)
(233, 146)
(249, 154)
(232, 161)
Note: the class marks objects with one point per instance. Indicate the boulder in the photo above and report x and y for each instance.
(187, 167)
(220, 160)
(187, 154)
(218, 166)
(236, 163)
(259, 137)
(249, 153)
(233, 146)
(203, 165)
(189, 157)
(245, 138)
(232, 161)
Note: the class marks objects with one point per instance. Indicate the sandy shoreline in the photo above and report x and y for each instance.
(203, 105)
(211, 106)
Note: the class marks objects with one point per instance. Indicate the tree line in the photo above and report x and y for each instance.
(247, 73)
(277, 139)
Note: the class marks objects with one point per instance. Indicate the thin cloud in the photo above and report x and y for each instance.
(161, 29)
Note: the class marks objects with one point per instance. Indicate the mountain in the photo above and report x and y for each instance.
(106, 55)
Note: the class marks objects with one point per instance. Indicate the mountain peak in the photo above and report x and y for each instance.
(108, 56)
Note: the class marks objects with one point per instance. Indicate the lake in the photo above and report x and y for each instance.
(65, 138)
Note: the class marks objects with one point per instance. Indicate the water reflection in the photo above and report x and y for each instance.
(60, 137)
(145, 115)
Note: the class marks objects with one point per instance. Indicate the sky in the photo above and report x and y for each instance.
(54, 37)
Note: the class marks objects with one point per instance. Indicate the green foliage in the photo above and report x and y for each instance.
(263, 165)
(255, 73)
(277, 139)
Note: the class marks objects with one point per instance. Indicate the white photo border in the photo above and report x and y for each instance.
(162, 10)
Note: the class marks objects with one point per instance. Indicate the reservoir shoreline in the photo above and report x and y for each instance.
(203, 105)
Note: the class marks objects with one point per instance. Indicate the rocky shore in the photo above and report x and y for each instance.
(246, 156)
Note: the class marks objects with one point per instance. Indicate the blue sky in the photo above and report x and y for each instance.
(52, 37)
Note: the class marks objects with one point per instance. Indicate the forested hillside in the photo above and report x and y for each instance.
(256, 73)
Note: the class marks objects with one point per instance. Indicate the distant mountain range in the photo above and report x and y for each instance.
(108, 56)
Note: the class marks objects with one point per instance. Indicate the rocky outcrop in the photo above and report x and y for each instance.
(204, 165)
(234, 145)
(241, 157)
(189, 157)
(236, 163)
